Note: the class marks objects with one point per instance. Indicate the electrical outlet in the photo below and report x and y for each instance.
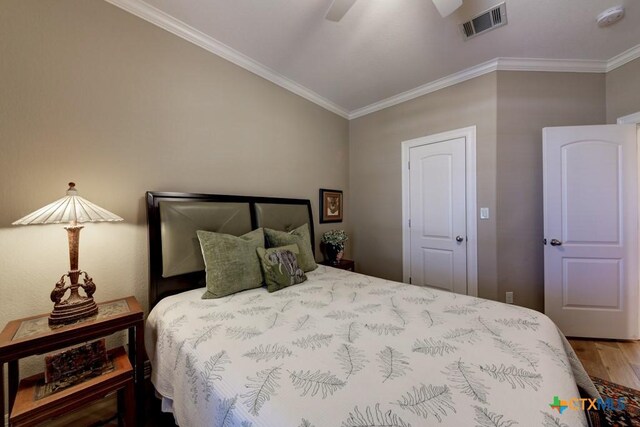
(509, 298)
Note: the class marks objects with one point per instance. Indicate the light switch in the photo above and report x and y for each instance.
(484, 213)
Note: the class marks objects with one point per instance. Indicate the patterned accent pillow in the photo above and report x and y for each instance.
(299, 236)
(280, 267)
(231, 262)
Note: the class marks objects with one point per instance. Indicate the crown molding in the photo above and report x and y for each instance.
(504, 64)
(552, 65)
(623, 58)
(450, 80)
(167, 22)
(155, 16)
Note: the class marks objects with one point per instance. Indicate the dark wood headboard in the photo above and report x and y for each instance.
(159, 286)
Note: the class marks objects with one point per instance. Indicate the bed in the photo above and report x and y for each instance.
(341, 349)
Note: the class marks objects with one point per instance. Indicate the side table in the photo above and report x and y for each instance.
(32, 335)
(343, 264)
(32, 408)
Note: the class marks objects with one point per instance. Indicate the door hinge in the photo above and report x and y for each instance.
(409, 165)
(409, 223)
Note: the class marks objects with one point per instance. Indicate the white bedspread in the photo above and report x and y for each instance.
(346, 350)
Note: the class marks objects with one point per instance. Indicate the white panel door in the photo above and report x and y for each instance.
(591, 230)
(438, 215)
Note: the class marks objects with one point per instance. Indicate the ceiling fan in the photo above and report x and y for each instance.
(340, 7)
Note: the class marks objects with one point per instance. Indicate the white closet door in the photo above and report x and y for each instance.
(591, 230)
(437, 184)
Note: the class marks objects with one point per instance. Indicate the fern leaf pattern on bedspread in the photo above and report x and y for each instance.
(349, 350)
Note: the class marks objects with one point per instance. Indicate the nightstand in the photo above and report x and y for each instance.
(33, 335)
(36, 404)
(344, 264)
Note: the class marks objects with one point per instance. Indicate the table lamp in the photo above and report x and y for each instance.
(74, 210)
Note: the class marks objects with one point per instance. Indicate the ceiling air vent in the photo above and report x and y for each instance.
(487, 20)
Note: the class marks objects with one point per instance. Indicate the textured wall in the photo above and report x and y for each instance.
(528, 102)
(623, 91)
(375, 173)
(509, 109)
(92, 94)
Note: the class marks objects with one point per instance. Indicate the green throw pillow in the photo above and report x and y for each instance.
(280, 267)
(231, 262)
(301, 237)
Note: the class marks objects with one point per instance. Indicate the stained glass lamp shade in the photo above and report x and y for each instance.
(73, 210)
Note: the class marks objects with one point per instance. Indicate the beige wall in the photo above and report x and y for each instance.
(92, 94)
(623, 91)
(509, 109)
(375, 173)
(528, 102)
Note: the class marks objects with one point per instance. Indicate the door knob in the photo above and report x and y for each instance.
(459, 239)
(556, 242)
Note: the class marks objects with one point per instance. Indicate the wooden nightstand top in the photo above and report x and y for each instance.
(33, 335)
(344, 264)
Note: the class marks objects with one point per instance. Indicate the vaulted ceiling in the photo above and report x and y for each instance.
(382, 48)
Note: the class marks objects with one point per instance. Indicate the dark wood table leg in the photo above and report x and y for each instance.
(140, 356)
(121, 402)
(136, 355)
(132, 349)
(129, 405)
(2, 392)
(14, 379)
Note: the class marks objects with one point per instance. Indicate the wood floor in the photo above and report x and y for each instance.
(615, 361)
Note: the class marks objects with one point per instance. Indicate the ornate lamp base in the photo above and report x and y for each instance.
(76, 307)
(64, 312)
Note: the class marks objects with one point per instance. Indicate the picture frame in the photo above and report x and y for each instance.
(331, 205)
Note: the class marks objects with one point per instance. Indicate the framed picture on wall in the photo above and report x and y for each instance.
(330, 205)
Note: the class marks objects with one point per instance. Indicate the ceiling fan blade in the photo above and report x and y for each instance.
(338, 9)
(446, 7)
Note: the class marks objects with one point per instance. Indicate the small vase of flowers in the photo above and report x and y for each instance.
(333, 241)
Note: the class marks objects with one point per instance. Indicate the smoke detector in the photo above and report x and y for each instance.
(610, 16)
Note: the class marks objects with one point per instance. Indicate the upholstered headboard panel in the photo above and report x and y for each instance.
(175, 259)
(179, 222)
(281, 216)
